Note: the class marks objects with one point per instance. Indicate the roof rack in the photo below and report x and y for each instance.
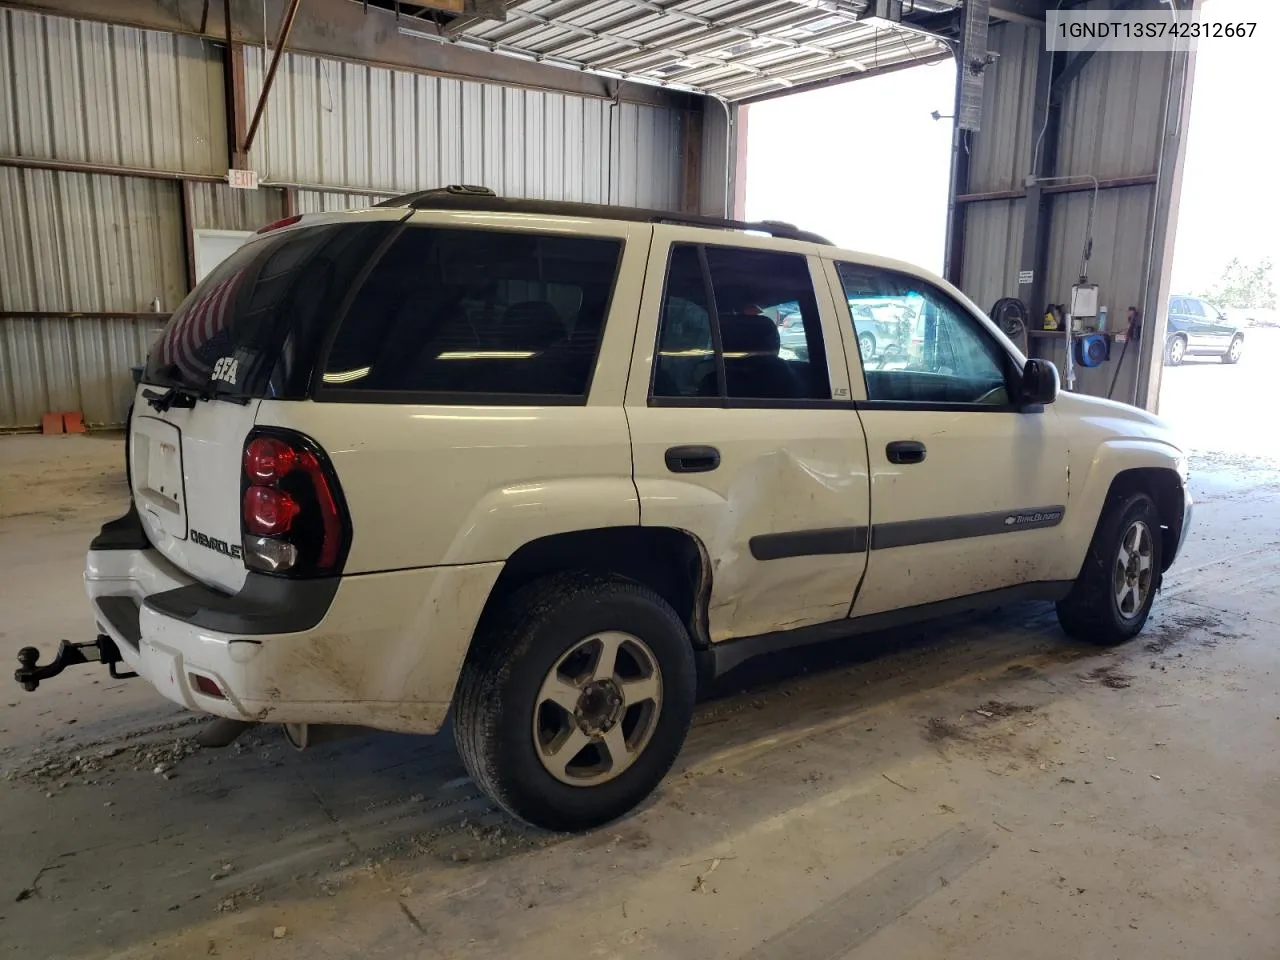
(466, 197)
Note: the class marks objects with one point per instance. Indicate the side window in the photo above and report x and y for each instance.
(1178, 306)
(918, 345)
(758, 308)
(685, 365)
(474, 312)
(1195, 308)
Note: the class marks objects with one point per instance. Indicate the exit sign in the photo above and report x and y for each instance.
(243, 179)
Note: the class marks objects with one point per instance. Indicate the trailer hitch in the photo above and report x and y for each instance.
(102, 649)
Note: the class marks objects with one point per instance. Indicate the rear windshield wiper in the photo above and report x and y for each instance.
(186, 397)
(183, 397)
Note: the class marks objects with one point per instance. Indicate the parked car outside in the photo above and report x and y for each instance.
(1197, 328)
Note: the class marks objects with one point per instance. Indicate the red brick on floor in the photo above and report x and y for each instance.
(51, 423)
(73, 422)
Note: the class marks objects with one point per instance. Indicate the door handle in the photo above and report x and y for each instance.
(692, 459)
(905, 451)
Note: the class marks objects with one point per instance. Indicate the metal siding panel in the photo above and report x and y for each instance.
(34, 138)
(538, 182)
(555, 135)
(63, 86)
(101, 108)
(451, 142)
(513, 145)
(215, 206)
(472, 133)
(8, 112)
(95, 93)
(403, 131)
(385, 116)
(493, 140)
(320, 201)
(1000, 154)
(1119, 245)
(992, 229)
(714, 173)
(17, 267)
(355, 146)
(1111, 116)
(595, 153)
(574, 146)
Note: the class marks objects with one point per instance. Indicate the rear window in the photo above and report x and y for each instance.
(475, 314)
(253, 326)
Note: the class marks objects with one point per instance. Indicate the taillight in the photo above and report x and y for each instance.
(293, 518)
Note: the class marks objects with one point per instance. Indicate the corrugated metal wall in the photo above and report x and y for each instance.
(355, 125)
(317, 201)
(215, 206)
(84, 92)
(1110, 128)
(95, 93)
(78, 242)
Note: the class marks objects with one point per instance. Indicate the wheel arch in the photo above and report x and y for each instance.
(670, 561)
(1164, 485)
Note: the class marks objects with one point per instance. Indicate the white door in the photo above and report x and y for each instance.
(968, 491)
(214, 246)
(742, 431)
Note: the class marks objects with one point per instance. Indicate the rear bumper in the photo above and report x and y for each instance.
(385, 652)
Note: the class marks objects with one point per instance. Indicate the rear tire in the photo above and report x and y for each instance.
(1175, 351)
(1111, 598)
(533, 688)
(1233, 352)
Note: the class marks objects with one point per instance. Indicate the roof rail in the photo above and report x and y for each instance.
(467, 197)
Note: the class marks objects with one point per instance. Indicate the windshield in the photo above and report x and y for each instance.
(251, 327)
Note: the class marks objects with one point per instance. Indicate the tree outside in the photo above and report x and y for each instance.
(1244, 286)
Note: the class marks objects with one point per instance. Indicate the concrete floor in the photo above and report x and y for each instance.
(977, 789)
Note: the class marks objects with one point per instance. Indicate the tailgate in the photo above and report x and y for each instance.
(185, 466)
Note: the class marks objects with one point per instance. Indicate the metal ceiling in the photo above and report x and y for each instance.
(732, 49)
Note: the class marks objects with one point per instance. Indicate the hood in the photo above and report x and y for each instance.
(1119, 420)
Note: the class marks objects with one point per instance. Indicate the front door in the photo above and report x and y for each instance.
(967, 491)
(742, 432)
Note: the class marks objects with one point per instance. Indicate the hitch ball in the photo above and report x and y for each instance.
(27, 658)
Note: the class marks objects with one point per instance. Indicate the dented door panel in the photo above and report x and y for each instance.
(783, 516)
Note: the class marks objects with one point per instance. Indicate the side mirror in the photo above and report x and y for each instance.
(1039, 383)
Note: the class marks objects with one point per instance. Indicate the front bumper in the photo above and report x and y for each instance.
(384, 651)
(1188, 508)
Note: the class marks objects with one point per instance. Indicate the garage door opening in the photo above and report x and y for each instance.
(1223, 339)
(865, 164)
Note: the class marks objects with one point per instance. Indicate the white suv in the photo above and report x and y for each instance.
(542, 466)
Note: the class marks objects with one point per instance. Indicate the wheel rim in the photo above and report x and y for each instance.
(1133, 572)
(867, 345)
(1234, 351)
(1176, 351)
(597, 709)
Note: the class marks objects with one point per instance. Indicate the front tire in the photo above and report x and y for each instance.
(575, 699)
(1111, 598)
(1233, 352)
(1175, 351)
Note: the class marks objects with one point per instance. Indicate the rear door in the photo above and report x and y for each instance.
(749, 445)
(967, 491)
(1199, 333)
(250, 330)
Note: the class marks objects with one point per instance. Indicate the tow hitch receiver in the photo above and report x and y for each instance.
(100, 650)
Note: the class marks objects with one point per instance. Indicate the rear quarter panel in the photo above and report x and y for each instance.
(438, 485)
